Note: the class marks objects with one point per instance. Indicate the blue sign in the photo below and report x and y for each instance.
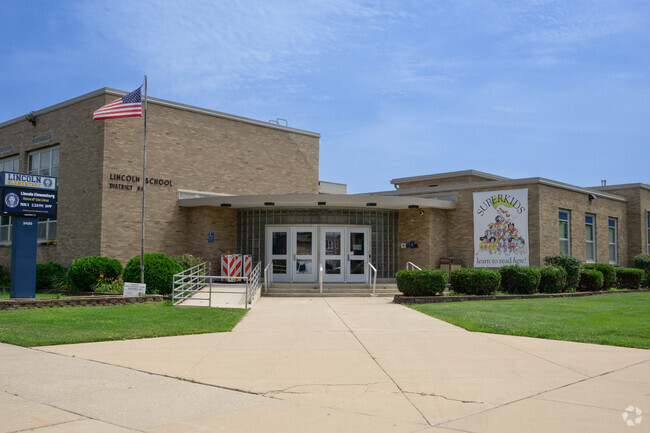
(25, 180)
(27, 202)
(210, 237)
(412, 244)
(23, 257)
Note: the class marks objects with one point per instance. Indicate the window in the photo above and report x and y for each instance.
(10, 164)
(590, 238)
(613, 241)
(45, 162)
(648, 238)
(5, 229)
(565, 232)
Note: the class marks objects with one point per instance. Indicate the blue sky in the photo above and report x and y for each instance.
(557, 89)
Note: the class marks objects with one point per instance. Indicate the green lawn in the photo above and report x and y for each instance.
(621, 319)
(45, 326)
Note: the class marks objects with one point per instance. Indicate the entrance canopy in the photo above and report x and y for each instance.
(196, 199)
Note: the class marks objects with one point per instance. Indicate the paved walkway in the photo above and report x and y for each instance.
(325, 365)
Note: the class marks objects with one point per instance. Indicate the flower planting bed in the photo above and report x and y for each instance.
(75, 301)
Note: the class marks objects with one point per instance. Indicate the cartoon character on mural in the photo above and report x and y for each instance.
(501, 228)
(502, 236)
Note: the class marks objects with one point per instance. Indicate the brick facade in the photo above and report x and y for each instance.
(187, 148)
(191, 149)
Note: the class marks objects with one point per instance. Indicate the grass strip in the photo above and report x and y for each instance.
(617, 319)
(50, 326)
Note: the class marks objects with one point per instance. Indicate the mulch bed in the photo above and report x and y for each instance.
(96, 300)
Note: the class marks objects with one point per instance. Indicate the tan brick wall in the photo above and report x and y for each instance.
(81, 152)
(196, 152)
(553, 199)
(429, 231)
(637, 219)
(200, 221)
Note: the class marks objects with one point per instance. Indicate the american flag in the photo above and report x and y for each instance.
(127, 106)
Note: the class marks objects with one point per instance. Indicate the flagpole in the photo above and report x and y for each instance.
(144, 181)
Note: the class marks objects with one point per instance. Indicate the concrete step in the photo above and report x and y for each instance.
(346, 290)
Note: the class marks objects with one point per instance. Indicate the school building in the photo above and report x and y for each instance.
(217, 182)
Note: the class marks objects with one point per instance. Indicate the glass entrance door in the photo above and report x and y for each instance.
(279, 254)
(357, 242)
(305, 269)
(332, 254)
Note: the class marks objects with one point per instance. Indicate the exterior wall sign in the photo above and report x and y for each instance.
(25, 202)
(32, 181)
(130, 182)
(501, 228)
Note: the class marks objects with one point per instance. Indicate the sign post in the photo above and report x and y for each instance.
(25, 197)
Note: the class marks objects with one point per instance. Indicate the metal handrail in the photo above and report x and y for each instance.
(374, 281)
(320, 277)
(412, 266)
(268, 276)
(193, 281)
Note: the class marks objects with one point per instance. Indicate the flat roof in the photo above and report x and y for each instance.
(621, 186)
(496, 184)
(118, 93)
(448, 175)
(365, 201)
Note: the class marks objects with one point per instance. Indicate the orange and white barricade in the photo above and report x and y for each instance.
(248, 265)
(231, 267)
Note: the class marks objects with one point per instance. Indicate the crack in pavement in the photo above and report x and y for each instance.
(286, 390)
(377, 363)
(427, 394)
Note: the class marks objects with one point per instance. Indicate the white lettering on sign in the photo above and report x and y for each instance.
(27, 223)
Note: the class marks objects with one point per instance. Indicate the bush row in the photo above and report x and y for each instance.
(105, 274)
(516, 279)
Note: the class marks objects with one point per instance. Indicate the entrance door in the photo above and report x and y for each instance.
(357, 242)
(332, 254)
(305, 268)
(279, 254)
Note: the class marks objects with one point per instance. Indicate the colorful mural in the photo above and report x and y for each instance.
(501, 228)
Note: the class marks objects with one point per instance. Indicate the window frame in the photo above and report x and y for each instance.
(49, 223)
(590, 243)
(648, 234)
(567, 240)
(614, 244)
(15, 159)
(8, 226)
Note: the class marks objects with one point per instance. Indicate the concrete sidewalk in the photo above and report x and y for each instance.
(336, 364)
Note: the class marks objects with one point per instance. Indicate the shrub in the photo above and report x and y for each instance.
(85, 272)
(472, 281)
(188, 261)
(608, 271)
(519, 279)
(553, 279)
(159, 272)
(49, 276)
(642, 261)
(425, 282)
(4, 279)
(591, 280)
(629, 278)
(570, 264)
